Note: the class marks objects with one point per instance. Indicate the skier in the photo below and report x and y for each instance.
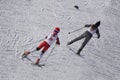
(45, 44)
(93, 28)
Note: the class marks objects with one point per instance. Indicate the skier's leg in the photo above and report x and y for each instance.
(26, 53)
(76, 39)
(41, 45)
(38, 59)
(84, 43)
(32, 51)
(46, 46)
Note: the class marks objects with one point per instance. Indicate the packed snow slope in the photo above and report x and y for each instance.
(24, 23)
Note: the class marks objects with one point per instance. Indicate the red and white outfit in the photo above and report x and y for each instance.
(45, 44)
(49, 41)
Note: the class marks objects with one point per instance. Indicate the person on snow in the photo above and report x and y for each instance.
(45, 44)
(93, 28)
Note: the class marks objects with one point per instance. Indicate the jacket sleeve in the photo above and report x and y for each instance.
(98, 34)
(88, 25)
(57, 41)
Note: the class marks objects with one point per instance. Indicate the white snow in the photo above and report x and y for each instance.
(24, 22)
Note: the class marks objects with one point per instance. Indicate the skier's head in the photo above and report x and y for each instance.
(56, 30)
(96, 25)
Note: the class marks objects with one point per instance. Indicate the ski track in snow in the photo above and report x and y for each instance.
(24, 23)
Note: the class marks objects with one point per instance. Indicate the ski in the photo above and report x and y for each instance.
(26, 57)
(74, 51)
(32, 63)
(38, 65)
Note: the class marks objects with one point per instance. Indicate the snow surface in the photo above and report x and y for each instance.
(23, 23)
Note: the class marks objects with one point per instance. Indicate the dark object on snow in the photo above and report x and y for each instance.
(76, 7)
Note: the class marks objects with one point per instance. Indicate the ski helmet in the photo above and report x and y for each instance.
(57, 29)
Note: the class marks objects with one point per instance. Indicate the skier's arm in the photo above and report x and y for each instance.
(98, 34)
(57, 41)
(88, 25)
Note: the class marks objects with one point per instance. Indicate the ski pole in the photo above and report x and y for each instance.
(50, 53)
(75, 30)
(32, 42)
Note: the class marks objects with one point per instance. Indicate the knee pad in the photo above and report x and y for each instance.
(37, 49)
(43, 51)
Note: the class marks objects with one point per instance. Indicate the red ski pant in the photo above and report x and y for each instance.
(44, 45)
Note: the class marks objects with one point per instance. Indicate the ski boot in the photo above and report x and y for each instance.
(78, 53)
(37, 61)
(24, 55)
